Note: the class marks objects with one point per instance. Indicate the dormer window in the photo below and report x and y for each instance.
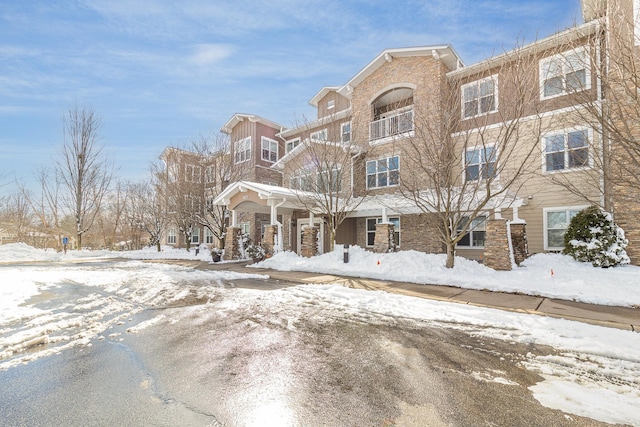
(331, 104)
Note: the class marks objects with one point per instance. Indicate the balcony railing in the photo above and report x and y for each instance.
(391, 126)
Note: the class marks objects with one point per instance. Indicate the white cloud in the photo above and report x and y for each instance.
(210, 53)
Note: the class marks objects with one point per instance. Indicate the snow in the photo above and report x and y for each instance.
(595, 371)
(548, 275)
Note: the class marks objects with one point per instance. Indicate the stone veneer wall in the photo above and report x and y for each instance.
(519, 242)
(497, 253)
(309, 242)
(232, 244)
(384, 241)
(268, 241)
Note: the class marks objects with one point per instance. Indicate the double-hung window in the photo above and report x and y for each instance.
(480, 163)
(345, 131)
(269, 150)
(209, 175)
(172, 237)
(371, 229)
(242, 149)
(291, 144)
(208, 236)
(480, 97)
(564, 73)
(556, 222)
(195, 236)
(318, 136)
(568, 149)
(192, 173)
(476, 232)
(383, 172)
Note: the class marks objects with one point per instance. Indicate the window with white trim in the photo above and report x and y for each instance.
(172, 236)
(345, 132)
(383, 172)
(556, 221)
(242, 150)
(565, 73)
(208, 236)
(245, 227)
(480, 163)
(319, 136)
(567, 149)
(192, 173)
(480, 97)
(192, 204)
(269, 149)
(476, 233)
(291, 144)
(371, 229)
(322, 182)
(331, 104)
(195, 236)
(209, 175)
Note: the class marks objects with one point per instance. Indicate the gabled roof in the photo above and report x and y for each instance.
(273, 195)
(321, 94)
(445, 53)
(239, 117)
(563, 37)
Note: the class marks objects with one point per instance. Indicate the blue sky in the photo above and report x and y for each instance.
(161, 73)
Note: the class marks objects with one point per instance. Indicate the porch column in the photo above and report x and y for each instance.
(497, 248)
(269, 239)
(234, 218)
(309, 241)
(384, 241)
(232, 244)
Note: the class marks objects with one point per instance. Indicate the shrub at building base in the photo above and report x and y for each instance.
(593, 237)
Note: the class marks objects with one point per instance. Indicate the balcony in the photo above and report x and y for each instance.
(396, 124)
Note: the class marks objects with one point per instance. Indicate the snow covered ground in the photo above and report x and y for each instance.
(596, 372)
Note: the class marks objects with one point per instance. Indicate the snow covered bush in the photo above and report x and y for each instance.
(593, 237)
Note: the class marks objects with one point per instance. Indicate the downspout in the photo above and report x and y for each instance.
(604, 158)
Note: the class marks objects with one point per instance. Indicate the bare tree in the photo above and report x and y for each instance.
(462, 161)
(45, 205)
(145, 211)
(183, 188)
(83, 168)
(219, 170)
(321, 168)
(110, 219)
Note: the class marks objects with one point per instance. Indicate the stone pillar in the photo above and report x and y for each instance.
(519, 242)
(384, 241)
(232, 244)
(627, 217)
(497, 253)
(309, 242)
(269, 238)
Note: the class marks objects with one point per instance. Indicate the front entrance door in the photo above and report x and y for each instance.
(317, 223)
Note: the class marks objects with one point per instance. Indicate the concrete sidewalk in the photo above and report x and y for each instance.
(610, 316)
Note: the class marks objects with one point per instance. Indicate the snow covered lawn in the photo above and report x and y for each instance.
(548, 275)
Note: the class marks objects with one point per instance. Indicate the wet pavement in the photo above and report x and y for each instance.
(239, 357)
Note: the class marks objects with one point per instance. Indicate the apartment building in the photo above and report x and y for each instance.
(417, 148)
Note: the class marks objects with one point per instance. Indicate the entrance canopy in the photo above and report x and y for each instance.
(253, 197)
